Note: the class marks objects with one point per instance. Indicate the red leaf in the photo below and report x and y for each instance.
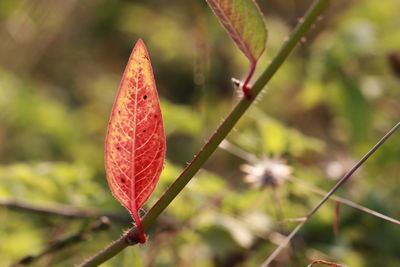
(135, 142)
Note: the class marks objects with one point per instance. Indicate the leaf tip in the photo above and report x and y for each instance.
(140, 45)
(140, 42)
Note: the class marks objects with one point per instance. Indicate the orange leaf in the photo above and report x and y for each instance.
(135, 143)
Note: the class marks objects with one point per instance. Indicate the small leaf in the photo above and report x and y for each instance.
(135, 143)
(244, 22)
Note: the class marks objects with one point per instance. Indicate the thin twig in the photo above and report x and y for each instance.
(62, 210)
(277, 205)
(342, 201)
(329, 194)
(246, 156)
(238, 152)
(130, 238)
(101, 224)
(336, 220)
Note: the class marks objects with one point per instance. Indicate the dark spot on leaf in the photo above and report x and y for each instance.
(122, 180)
(144, 131)
(118, 148)
(145, 97)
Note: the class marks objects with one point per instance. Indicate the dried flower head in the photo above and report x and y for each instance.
(266, 172)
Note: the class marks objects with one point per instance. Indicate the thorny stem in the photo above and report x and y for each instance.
(329, 194)
(223, 130)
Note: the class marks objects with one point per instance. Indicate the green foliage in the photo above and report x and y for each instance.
(325, 107)
(52, 182)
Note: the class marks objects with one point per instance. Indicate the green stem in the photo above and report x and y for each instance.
(223, 130)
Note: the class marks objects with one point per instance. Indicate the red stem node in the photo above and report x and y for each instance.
(246, 87)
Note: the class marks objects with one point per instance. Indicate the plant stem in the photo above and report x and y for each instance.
(223, 130)
(329, 194)
(246, 87)
(341, 200)
(352, 170)
(102, 224)
(62, 210)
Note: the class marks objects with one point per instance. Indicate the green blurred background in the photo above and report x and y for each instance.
(60, 66)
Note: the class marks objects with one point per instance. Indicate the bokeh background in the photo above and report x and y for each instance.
(337, 94)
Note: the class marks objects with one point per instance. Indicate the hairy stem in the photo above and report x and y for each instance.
(212, 144)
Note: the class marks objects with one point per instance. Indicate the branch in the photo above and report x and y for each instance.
(341, 200)
(130, 238)
(62, 210)
(234, 150)
(328, 195)
(101, 224)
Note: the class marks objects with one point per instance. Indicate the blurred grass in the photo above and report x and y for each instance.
(60, 65)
